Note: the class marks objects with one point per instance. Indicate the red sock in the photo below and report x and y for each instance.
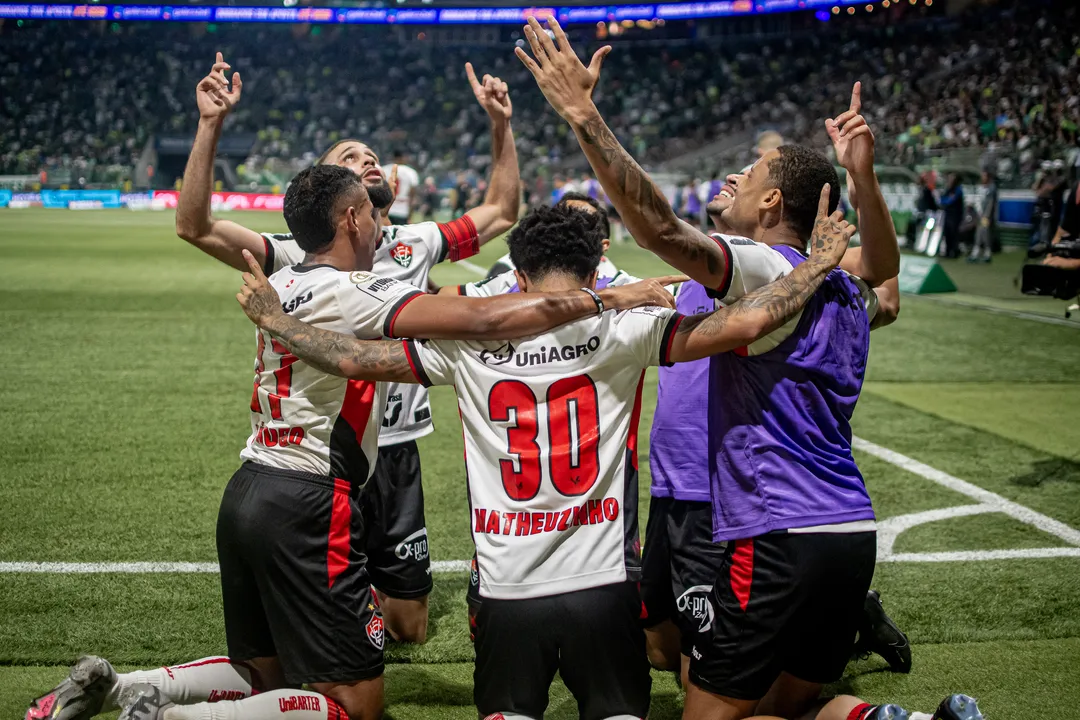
(861, 712)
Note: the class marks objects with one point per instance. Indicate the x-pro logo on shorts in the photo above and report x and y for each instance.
(415, 546)
(696, 601)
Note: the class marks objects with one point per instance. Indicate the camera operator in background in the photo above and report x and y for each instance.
(1068, 234)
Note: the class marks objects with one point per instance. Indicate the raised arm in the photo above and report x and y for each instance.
(888, 292)
(766, 309)
(853, 141)
(499, 210)
(568, 84)
(220, 239)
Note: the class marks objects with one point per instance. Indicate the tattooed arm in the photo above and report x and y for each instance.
(339, 354)
(766, 309)
(568, 85)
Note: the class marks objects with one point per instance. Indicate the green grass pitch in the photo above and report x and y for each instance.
(127, 371)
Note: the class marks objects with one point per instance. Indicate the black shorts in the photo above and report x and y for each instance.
(293, 582)
(397, 543)
(679, 564)
(783, 602)
(593, 638)
(398, 219)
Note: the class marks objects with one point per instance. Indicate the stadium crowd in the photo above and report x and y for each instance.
(934, 83)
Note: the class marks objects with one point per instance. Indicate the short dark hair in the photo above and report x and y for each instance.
(312, 200)
(600, 216)
(557, 239)
(799, 173)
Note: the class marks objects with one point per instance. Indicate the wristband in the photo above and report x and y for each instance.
(596, 299)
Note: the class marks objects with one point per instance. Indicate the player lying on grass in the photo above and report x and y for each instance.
(297, 599)
(397, 549)
(550, 426)
(786, 493)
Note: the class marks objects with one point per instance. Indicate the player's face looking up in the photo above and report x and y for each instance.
(754, 198)
(362, 160)
(722, 200)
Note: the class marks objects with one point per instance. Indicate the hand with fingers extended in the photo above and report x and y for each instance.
(213, 95)
(831, 235)
(492, 94)
(644, 293)
(258, 297)
(852, 138)
(565, 81)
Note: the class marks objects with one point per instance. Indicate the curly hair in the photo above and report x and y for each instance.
(558, 239)
(799, 173)
(598, 212)
(311, 201)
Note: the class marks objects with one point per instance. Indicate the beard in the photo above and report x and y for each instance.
(380, 194)
(718, 205)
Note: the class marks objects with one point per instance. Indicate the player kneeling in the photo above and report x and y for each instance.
(550, 425)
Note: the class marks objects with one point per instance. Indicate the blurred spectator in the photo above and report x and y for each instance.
(952, 200)
(982, 249)
(407, 188)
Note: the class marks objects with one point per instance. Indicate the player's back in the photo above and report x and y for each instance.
(550, 426)
(302, 418)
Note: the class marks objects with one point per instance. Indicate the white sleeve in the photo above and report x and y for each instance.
(432, 361)
(648, 332)
(751, 266)
(371, 304)
(498, 285)
(869, 297)
(281, 251)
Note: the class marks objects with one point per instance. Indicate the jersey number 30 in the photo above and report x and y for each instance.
(573, 421)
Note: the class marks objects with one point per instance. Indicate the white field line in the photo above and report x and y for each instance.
(985, 497)
(982, 555)
(472, 267)
(888, 529)
(139, 568)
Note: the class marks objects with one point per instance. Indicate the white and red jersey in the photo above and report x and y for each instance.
(302, 418)
(406, 253)
(550, 425)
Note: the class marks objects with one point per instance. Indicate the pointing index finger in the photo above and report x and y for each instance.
(256, 268)
(823, 202)
(472, 77)
(856, 97)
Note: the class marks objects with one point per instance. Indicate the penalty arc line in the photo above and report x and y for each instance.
(1000, 504)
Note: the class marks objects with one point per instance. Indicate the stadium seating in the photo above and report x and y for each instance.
(94, 93)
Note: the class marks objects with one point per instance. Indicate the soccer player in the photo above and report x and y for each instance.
(680, 560)
(298, 603)
(787, 496)
(397, 543)
(550, 425)
(500, 277)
